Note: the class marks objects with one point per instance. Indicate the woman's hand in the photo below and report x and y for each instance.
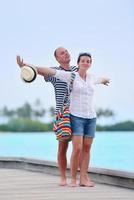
(20, 61)
(105, 81)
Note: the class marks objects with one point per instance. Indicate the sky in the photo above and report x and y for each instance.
(34, 29)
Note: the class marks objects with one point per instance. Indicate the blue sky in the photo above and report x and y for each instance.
(34, 29)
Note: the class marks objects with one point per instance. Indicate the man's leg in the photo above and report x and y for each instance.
(77, 142)
(62, 161)
(85, 158)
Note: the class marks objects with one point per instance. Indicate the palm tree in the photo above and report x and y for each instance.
(25, 111)
(5, 112)
(104, 113)
(39, 110)
(52, 112)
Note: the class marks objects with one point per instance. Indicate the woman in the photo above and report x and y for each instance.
(83, 115)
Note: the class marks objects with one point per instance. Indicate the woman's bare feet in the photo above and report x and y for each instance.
(73, 183)
(63, 182)
(86, 182)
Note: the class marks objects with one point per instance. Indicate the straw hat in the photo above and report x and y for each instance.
(28, 74)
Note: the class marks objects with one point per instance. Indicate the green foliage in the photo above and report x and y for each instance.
(26, 119)
(28, 125)
(122, 126)
(25, 125)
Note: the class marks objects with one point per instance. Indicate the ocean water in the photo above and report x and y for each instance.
(112, 150)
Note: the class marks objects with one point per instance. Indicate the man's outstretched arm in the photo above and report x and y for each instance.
(43, 71)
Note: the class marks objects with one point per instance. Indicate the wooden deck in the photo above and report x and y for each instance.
(18, 184)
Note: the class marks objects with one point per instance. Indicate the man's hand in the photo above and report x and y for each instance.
(105, 81)
(20, 61)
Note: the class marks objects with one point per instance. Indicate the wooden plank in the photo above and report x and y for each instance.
(26, 185)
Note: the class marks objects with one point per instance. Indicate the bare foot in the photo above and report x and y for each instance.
(73, 183)
(63, 182)
(87, 184)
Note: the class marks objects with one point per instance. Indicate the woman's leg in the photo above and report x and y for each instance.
(85, 159)
(77, 142)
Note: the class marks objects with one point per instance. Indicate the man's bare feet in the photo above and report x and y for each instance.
(73, 183)
(63, 182)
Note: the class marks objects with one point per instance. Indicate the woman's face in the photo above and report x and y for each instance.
(85, 62)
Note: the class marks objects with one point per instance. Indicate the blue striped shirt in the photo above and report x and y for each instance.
(60, 87)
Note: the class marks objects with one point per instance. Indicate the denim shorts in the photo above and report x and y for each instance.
(83, 126)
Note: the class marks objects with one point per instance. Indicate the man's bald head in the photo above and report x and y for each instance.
(62, 55)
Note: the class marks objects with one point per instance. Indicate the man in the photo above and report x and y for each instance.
(61, 94)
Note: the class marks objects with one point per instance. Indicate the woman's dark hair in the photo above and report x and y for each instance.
(84, 54)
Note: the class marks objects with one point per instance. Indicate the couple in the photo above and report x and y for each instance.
(83, 116)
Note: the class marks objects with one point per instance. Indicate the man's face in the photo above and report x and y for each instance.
(62, 55)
